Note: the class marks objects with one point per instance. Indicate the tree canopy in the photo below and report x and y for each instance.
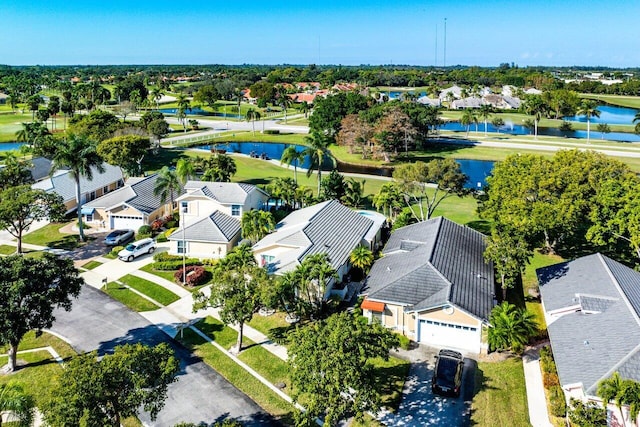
(331, 366)
(125, 151)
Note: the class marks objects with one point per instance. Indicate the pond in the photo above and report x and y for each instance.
(8, 146)
(476, 170)
(609, 114)
(517, 129)
(200, 112)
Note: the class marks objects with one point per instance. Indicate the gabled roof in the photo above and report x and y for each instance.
(600, 332)
(328, 227)
(137, 193)
(432, 263)
(63, 183)
(215, 228)
(40, 168)
(221, 192)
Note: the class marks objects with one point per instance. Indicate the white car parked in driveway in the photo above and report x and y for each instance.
(135, 249)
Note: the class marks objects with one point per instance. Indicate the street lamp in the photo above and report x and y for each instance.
(184, 245)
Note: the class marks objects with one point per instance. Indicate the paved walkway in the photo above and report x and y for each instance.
(538, 415)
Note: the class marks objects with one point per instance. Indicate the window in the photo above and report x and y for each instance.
(235, 210)
(105, 190)
(92, 195)
(89, 217)
(182, 247)
(184, 207)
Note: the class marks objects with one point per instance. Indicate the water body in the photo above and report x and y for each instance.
(398, 94)
(200, 112)
(476, 170)
(9, 146)
(609, 114)
(515, 129)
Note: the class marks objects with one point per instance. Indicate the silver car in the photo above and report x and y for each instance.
(118, 237)
(135, 249)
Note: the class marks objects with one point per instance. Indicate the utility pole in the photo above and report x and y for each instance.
(444, 62)
(435, 64)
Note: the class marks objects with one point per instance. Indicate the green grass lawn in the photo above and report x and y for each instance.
(91, 265)
(129, 298)
(164, 274)
(150, 289)
(621, 100)
(11, 123)
(500, 397)
(50, 235)
(265, 324)
(8, 250)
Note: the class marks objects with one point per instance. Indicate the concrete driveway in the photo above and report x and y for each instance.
(97, 322)
(420, 407)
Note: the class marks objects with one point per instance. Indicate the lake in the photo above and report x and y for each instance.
(200, 112)
(609, 114)
(8, 146)
(476, 170)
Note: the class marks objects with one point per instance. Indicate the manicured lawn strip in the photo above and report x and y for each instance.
(7, 250)
(390, 377)
(150, 289)
(45, 340)
(91, 265)
(265, 324)
(11, 123)
(530, 282)
(49, 235)
(129, 298)
(500, 397)
(236, 375)
(270, 366)
(621, 100)
(164, 274)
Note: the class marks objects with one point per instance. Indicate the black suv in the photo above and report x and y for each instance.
(447, 375)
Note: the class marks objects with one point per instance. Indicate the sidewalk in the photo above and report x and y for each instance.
(538, 415)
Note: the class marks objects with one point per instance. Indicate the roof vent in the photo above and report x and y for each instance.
(586, 343)
(388, 268)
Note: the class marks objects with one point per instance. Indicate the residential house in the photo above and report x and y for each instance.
(3, 98)
(211, 214)
(455, 91)
(328, 227)
(429, 101)
(40, 168)
(433, 285)
(592, 309)
(129, 207)
(470, 102)
(63, 183)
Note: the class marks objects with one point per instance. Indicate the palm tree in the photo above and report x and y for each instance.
(256, 224)
(219, 168)
(485, 112)
(156, 95)
(353, 193)
(183, 105)
(78, 154)
(13, 399)
(468, 117)
(612, 389)
(284, 102)
(304, 108)
(316, 151)
(185, 170)
(535, 106)
(251, 116)
(636, 120)
(588, 108)
(511, 328)
(167, 185)
(361, 257)
(631, 397)
(292, 156)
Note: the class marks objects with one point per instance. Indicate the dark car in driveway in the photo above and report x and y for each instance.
(118, 237)
(447, 374)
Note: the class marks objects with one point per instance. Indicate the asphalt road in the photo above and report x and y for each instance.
(97, 322)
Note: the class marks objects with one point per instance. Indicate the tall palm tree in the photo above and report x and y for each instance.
(588, 109)
(167, 185)
(468, 117)
(156, 95)
(361, 257)
(612, 389)
(251, 116)
(485, 112)
(353, 193)
(183, 106)
(535, 106)
(316, 151)
(14, 399)
(256, 224)
(185, 170)
(636, 120)
(304, 108)
(78, 154)
(292, 156)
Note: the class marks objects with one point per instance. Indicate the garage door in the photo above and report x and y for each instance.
(441, 334)
(130, 222)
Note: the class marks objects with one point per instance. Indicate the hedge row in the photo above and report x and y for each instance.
(174, 265)
(551, 382)
(195, 275)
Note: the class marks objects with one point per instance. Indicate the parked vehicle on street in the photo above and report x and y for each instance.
(135, 249)
(118, 237)
(447, 375)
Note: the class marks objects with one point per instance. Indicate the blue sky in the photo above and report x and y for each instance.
(348, 32)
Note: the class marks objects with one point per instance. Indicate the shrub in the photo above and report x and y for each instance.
(116, 249)
(405, 343)
(547, 364)
(145, 229)
(557, 403)
(565, 126)
(165, 256)
(174, 265)
(550, 380)
(141, 236)
(162, 237)
(196, 275)
(157, 225)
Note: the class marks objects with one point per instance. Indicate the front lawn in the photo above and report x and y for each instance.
(129, 298)
(50, 236)
(164, 274)
(150, 289)
(7, 250)
(500, 397)
(91, 265)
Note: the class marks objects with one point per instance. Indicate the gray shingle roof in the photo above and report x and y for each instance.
(222, 192)
(601, 332)
(137, 193)
(40, 168)
(215, 228)
(64, 184)
(327, 227)
(432, 263)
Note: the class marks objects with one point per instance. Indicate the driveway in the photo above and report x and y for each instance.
(420, 407)
(97, 322)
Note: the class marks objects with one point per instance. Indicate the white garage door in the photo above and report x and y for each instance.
(130, 222)
(441, 334)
